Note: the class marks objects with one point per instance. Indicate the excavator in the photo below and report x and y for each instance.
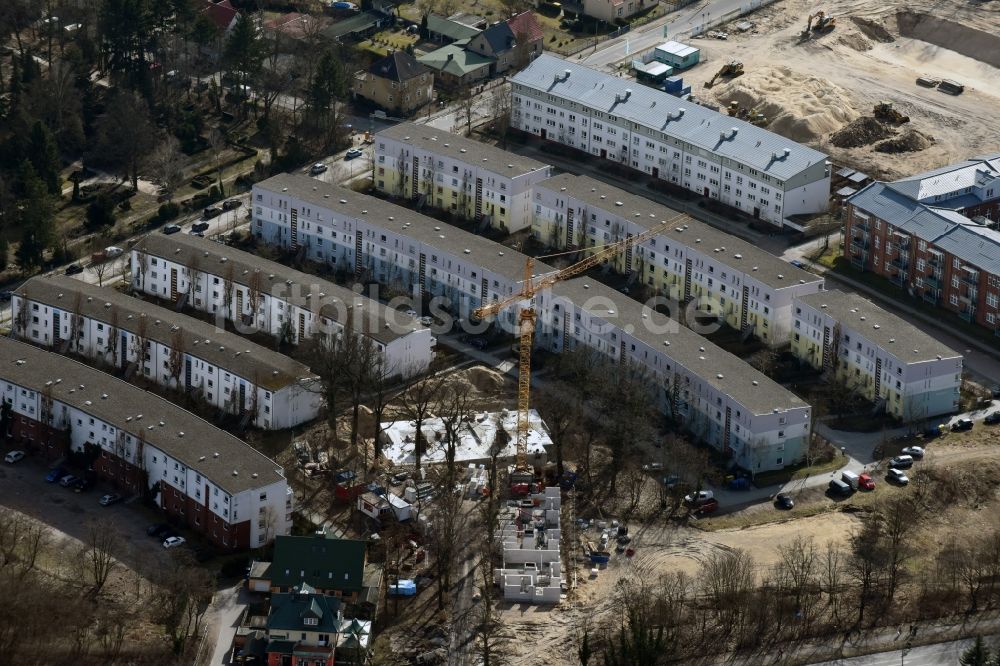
(522, 476)
(731, 69)
(824, 24)
(752, 116)
(885, 111)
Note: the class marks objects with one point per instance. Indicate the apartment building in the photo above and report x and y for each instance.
(713, 394)
(221, 369)
(758, 172)
(934, 235)
(201, 476)
(723, 400)
(532, 569)
(472, 180)
(255, 294)
(877, 354)
(750, 289)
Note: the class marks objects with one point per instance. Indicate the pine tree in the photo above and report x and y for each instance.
(45, 157)
(977, 655)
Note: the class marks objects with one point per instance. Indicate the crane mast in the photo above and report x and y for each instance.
(532, 285)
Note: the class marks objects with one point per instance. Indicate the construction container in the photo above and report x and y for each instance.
(927, 81)
(951, 87)
(673, 84)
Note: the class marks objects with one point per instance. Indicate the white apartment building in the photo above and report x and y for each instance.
(472, 180)
(203, 477)
(255, 294)
(751, 289)
(742, 412)
(761, 173)
(532, 569)
(878, 355)
(222, 369)
(711, 393)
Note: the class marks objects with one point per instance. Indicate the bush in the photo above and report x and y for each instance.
(100, 213)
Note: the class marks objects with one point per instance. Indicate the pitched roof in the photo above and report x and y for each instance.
(740, 255)
(220, 13)
(463, 149)
(661, 112)
(289, 611)
(231, 352)
(952, 179)
(277, 279)
(397, 66)
(449, 28)
(525, 27)
(320, 560)
(460, 63)
(225, 460)
(500, 37)
(897, 337)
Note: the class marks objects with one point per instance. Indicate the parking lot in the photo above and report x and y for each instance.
(23, 487)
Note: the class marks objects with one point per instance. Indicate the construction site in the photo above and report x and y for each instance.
(818, 72)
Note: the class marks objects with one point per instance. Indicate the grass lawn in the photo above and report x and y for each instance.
(802, 471)
(829, 256)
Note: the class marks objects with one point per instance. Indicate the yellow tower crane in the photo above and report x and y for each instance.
(523, 473)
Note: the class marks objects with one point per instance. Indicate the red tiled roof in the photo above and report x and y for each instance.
(525, 27)
(220, 13)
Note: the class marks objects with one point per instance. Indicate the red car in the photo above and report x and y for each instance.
(708, 506)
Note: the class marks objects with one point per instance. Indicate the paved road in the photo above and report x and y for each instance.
(926, 655)
(227, 607)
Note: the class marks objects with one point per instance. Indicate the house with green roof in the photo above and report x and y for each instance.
(330, 566)
(456, 66)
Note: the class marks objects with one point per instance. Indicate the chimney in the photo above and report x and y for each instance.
(450, 56)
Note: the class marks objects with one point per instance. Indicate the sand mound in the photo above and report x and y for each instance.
(855, 41)
(873, 30)
(909, 141)
(861, 132)
(485, 380)
(800, 107)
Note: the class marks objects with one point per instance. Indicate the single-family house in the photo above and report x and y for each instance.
(331, 566)
(305, 628)
(528, 37)
(222, 15)
(397, 83)
(457, 67)
(447, 30)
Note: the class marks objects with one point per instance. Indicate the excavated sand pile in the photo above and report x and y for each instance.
(862, 132)
(802, 108)
(909, 141)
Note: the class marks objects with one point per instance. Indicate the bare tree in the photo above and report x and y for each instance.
(416, 402)
(102, 542)
(166, 165)
(217, 145)
(799, 562)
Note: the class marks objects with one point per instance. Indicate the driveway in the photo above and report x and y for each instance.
(227, 607)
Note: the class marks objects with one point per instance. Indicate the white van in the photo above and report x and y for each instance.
(850, 478)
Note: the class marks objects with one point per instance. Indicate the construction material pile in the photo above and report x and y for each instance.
(802, 108)
(910, 141)
(862, 132)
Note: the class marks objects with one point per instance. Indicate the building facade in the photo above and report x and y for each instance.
(758, 172)
(397, 83)
(934, 235)
(878, 355)
(449, 172)
(532, 569)
(202, 477)
(234, 375)
(749, 289)
(718, 397)
(255, 294)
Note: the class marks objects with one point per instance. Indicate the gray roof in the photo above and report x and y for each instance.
(221, 348)
(217, 259)
(500, 38)
(726, 372)
(449, 28)
(489, 255)
(651, 108)
(175, 431)
(357, 23)
(483, 155)
(460, 63)
(898, 337)
(950, 231)
(949, 179)
(770, 270)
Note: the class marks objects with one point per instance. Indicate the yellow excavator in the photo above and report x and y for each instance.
(731, 70)
(752, 116)
(885, 111)
(824, 22)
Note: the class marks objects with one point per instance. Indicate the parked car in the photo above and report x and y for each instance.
(108, 500)
(67, 481)
(932, 432)
(478, 343)
(700, 497)
(652, 467)
(74, 269)
(81, 485)
(317, 168)
(399, 478)
(838, 487)
(897, 476)
(171, 229)
(784, 501)
(199, 226)
(157, 529)
(962, 425)
(352, 153)
(708, 506)
(13, 456)
(55, 474)
(797, 263)
(992, 419)
(112, 251)
(173, 541)
(231, 204)
(210, 212)
(916, 452)
(901, 462)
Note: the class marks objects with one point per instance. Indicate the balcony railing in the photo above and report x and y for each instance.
(970, 278)
(968, 314)
(898, 278)
(931, 295)
(859, 244)
(900, 264)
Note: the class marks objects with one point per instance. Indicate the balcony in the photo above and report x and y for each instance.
(970, 276)
(898, 278)
(932, 296)
(902, 240)
(900, 264)
(933, 281)
(859, 245)
(968, 314)
(861, 225)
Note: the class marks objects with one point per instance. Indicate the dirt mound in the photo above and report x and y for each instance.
(484, 380)
(800, 107)
(873, 30)
(909, 141)
(862, 132)
(855, 41)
